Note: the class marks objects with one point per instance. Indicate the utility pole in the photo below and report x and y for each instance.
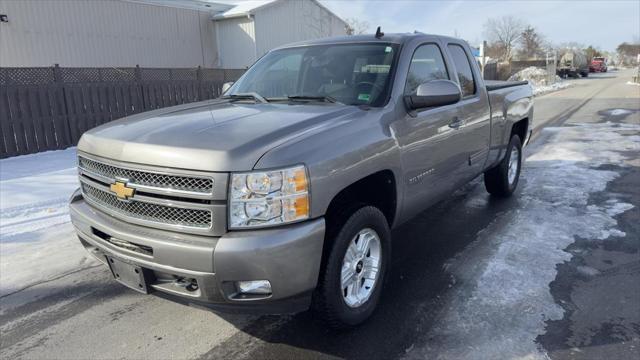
(483, 48)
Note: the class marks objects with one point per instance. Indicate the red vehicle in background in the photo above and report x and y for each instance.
(598, 64)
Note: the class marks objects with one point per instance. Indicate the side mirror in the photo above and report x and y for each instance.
(434, 93)
(226, 86)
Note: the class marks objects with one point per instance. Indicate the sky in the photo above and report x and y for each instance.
(603, 24)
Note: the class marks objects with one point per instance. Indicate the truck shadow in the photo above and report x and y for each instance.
(413, 291)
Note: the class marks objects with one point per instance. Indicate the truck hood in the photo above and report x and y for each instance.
(209, 136)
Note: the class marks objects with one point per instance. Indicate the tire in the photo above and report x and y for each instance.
(331, 303)
(498, 180)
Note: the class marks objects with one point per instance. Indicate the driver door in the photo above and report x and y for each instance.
(430, 146)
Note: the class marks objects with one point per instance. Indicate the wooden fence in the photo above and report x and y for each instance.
(490, 71)
(48, 108)
(502, 71)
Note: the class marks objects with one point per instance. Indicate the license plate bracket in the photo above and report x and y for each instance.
(129, 275)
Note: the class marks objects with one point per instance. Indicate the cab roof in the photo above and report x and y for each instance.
(397, 38)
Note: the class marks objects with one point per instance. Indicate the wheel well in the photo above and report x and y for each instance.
(520, 129)
(378, 189)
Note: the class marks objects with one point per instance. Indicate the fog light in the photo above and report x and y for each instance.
(262, 287)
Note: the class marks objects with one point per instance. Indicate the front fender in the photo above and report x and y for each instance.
(339, 156)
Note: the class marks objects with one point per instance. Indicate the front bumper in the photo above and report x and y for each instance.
(289, 257)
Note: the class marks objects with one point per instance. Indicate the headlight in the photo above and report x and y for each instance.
(266, 198)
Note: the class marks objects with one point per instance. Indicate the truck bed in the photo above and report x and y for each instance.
(510, 102)
(496, 84)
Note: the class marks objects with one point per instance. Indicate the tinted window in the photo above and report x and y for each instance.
(427, 64)
(463, 67)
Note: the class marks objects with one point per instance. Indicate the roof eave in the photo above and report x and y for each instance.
(232, 16)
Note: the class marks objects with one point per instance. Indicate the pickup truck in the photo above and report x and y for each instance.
(280, 195)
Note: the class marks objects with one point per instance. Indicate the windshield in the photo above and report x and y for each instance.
(352, 74)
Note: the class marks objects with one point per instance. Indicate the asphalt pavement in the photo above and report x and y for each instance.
(553, 272)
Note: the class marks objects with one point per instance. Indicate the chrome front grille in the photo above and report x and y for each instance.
(196, 218)
(175, 183)
(171, 199)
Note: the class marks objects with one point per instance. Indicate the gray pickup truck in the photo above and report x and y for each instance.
(280, 195)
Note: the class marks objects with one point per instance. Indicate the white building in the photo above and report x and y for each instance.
(156, 33)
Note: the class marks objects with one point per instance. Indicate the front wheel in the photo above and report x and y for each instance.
(502, 180)
(351, 282)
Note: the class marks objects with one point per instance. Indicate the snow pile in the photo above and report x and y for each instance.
(536, 76)
(37, 242)
(501, 299)
(539, 80)
(633, 83)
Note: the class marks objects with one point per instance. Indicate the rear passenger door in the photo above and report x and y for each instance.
(427, 140)
(474, 130)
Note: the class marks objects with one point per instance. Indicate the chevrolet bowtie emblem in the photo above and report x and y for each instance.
(121, 190)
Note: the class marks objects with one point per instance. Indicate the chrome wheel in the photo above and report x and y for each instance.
(514, 163)
(360, 268)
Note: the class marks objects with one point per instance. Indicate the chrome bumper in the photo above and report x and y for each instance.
(289, 257)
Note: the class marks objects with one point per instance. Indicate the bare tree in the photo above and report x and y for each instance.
(505, 32)
(628, 53)
(591, 52)
(531, 43)
(494, 50)
(356, 27)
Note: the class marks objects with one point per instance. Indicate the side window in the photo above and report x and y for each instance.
(461, 61)
(427, 64)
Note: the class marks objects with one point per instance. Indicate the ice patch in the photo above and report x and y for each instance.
(614, 207)
(587, 270)
(618, 112)
(503, 300)
(592, 143)
(541, 90)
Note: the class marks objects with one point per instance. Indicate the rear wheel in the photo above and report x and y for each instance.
(502, 180)
(351, 281)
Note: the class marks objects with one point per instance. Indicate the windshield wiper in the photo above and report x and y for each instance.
(324, 98)
(248, 95)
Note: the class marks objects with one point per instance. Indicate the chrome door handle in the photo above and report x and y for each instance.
(455, 123)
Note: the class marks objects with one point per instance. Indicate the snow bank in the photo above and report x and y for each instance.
(633, 83)
(37, 242)
(539, 80)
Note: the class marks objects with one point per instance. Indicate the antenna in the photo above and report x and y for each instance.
(379, 34)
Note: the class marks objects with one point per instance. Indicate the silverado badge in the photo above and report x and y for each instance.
(121, 190)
